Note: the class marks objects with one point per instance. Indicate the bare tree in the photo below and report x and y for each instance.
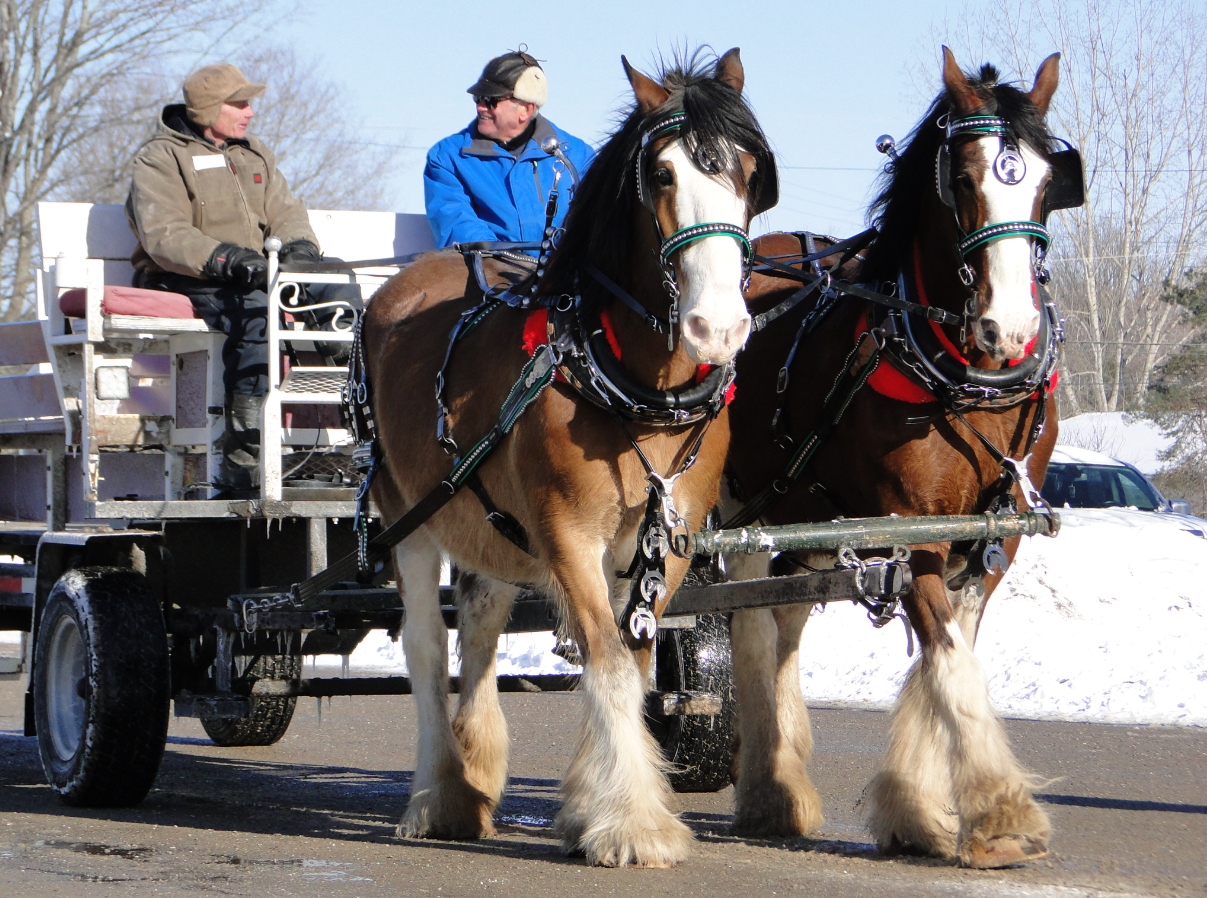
(320, 149)
(1133, 83)
(57, 57)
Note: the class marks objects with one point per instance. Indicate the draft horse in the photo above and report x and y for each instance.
(941, 408)
(641, 314)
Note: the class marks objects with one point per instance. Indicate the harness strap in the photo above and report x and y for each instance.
(833, 408)
(660, 325)
(992, 232)
(536, 375)
(783, 263)
(466, 322)
(502, 521)
(763, 319)
(779, 420)
(506, 249)
(692, 233)
(931, 313)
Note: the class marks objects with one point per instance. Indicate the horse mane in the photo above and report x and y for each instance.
(599, 224)
(906, 182)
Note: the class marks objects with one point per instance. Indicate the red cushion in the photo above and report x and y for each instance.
(130, 301)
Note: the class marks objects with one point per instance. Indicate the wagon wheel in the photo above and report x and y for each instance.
(270, 714)
(696, 660)
(102, 686)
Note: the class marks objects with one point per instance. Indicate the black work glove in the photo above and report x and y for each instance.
(238, 266)
(300, 251)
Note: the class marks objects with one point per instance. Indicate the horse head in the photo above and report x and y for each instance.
(965, 205)
(993, 172)
(683, 176)
(695, 177)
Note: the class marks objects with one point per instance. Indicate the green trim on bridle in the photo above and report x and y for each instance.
(992, 232)
(692, 233)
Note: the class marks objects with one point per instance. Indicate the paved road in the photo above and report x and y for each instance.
(315, 815)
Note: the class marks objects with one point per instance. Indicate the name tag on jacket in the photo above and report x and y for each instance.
(201, 163)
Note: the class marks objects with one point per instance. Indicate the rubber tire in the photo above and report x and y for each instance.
(101, 746)
(270, 715)
(697, 660)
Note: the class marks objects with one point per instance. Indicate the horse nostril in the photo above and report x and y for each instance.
(989, 332)
(698, 328)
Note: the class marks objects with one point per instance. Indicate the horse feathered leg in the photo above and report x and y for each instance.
(443, 804)
(773, 795)
(616, 794)
(482, 609)
(951, 786)
(1000, 822)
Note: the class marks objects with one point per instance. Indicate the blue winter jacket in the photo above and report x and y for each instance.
(476, 190)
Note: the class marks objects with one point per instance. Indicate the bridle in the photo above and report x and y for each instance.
(1065, 190)
(766, 197)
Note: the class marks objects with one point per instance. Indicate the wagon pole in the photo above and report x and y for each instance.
(869, 533)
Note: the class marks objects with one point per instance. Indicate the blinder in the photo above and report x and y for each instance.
(1066, 188)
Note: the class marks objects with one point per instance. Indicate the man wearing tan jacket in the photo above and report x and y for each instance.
(203, 199)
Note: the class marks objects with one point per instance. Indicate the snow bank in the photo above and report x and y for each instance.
(1107, 622)
(1134, 440)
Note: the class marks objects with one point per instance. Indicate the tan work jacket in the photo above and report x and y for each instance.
(188, 195)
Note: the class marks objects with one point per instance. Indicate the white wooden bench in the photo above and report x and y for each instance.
(111, 381)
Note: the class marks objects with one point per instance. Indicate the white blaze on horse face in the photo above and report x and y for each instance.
(1010, 320)
(709, 271)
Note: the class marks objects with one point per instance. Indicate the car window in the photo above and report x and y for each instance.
(1098, 486)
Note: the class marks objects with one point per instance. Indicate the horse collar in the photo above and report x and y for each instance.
(588, 360)
(922, 352)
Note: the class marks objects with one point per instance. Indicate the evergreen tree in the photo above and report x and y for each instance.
(1177, 398)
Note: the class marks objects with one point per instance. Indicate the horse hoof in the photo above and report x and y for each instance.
(1002, 851)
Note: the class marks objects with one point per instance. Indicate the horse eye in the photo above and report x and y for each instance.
(964, 181)
(664, 177)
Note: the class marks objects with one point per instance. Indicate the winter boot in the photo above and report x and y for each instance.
(240, 471)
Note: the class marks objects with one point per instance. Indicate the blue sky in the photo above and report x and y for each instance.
(825, 78)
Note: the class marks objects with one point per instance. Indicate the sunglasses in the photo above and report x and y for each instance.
(490, 102)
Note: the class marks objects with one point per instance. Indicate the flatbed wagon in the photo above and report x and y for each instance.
(139, 590)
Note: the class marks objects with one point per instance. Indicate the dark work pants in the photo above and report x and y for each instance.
(243, 317)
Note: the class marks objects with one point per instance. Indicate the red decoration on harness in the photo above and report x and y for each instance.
(536, 334)
(888, 381)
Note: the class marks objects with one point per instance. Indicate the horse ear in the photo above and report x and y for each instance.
(1046, 79)
(963, 98)
(649, 93)
(729, 70)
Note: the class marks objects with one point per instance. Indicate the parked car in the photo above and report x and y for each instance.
(1080, 478)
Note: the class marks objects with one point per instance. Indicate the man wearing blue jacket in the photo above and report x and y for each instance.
(491, 180)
